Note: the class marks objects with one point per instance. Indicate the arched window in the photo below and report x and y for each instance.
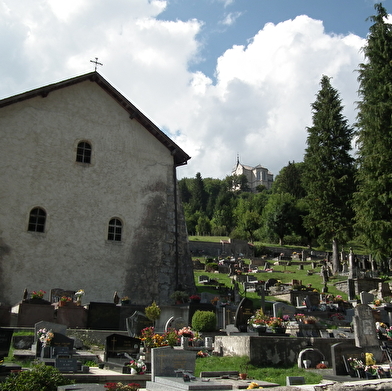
(115, 230)
(83, 152)
(37, 220)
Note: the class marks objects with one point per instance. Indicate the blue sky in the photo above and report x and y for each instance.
(221, 77)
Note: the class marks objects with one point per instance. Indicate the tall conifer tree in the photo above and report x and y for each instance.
(373, 201)
(329, 171)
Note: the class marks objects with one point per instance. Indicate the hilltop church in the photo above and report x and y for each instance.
(88, 197)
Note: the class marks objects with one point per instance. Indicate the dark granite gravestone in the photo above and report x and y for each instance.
(118, 347)
(103, 316)
(165, 361)
(55, 327)
(341, 351)
(59, 340)
(5, 342)
(136, 323)
(243, 313)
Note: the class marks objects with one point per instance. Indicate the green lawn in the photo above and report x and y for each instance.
(241, 364)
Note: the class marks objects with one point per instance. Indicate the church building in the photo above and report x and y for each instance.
(88, 197)
(256, 176)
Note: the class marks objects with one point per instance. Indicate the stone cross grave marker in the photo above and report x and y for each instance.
(165, 361)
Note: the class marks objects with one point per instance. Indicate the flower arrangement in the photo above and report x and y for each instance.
(321, 365)
(150, 338)
(120, 386)
(125, 299)
(275, 321)
(369, 359)
(310, 319)
(65, 299)
(377, 302)
(253, 386)
(195, 297)
(79, 293)
(258, 319)
(37, 294)
(170, 337)
(186, 332)
(138, 365)
(202, 354)
(389, 332)
(215, 300)
(338, 299)
(299, 317)
(45, 336)
(337, 316)
(356, 363)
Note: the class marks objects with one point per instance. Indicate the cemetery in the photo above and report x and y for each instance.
(272, 322)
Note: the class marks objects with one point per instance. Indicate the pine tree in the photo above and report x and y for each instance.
(373, 200)
(329, 171)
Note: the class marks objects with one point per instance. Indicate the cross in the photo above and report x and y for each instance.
(96, 63)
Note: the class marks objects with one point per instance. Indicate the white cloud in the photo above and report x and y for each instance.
(230, 18)
(258, 107)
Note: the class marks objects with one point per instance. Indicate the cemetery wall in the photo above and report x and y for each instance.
(271, 350)
(214, 250)
(360, 285)
(131, 177)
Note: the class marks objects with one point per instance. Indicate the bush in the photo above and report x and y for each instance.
(211, 267)
(41, 378)
(204, 321)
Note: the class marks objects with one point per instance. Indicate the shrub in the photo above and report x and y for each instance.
(211, 267)
(42, 377)
(204, 321)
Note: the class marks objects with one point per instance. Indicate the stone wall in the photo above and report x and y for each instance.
(267, 351)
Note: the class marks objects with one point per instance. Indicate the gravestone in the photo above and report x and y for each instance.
(366, 297)
(65, 365)
(364, 327)
(243, 313)
(136, 323)
(165, 361)
(120, 347)
(5, 342)
(339, 353)
(103, 316)
(351, 289)
(280, 309)
(55, 327)
(178, 323)
(294, 380)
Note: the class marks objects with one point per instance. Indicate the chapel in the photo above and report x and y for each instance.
(89, 197)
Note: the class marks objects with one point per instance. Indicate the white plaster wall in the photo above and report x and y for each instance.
(131, 177)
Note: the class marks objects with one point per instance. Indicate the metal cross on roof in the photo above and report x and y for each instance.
(96, 63)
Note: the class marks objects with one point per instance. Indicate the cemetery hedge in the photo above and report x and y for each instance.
(41, 378)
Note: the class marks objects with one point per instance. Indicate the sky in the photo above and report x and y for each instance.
(224, 79)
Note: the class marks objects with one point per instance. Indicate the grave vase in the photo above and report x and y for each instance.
(133, 371)
(45, 352)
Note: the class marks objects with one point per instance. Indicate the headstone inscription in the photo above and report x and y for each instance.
(280, 309)
(165, 361)
(119, 348)
(136, 323)
(5, 342)
(243, 313)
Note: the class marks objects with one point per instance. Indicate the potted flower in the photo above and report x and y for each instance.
(136, 367)
(125, 300)
(357, 367)
(299, 317)
(153, 312)
(195, 299)
(310, 320)
(259, 321)
(179, 297)
(186, 332)
(278, 324)
(37, 294)
(78, 296)
(112, 386)
(64, 300)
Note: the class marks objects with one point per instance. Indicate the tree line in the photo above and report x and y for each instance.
(332, 196)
